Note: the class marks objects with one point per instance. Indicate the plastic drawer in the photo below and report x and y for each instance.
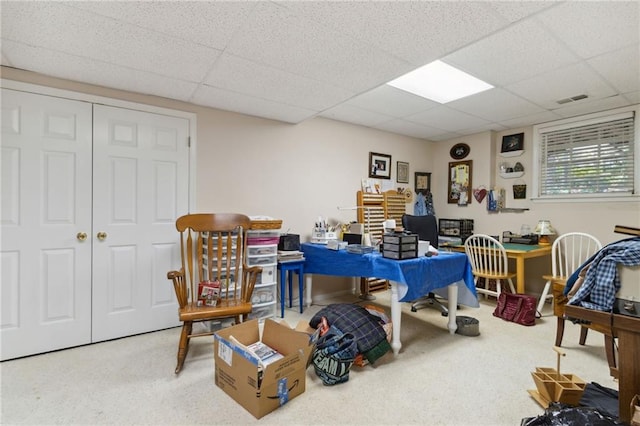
(262, 241)
(261, 250)
(264, 234)
(268, 275)
(262, 260)
(262, 312)
(264, 294)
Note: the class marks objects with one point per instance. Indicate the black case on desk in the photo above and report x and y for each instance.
(289, 242)
(400, 246)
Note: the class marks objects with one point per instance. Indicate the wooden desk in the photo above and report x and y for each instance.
(627, 328)
(519, 252)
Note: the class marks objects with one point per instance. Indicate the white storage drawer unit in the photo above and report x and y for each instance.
(262, 250)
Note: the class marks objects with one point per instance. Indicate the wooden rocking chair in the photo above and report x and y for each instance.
(213, 281)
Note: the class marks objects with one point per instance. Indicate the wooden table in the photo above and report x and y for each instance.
(627, 328)
(519, 252)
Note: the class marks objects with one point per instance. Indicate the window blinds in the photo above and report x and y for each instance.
(595, 158)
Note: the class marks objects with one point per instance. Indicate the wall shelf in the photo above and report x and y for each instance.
(511, 175)
(512, 210)
(509, 210)
(512, 153)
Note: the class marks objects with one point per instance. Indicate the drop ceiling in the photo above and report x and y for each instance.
(292, 61)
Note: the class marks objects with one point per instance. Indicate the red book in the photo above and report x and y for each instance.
(208, 293)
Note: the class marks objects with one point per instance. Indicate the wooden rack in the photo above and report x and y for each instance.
(379, 207)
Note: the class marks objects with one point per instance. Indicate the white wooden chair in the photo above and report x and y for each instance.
(568, 252)
(488, 260)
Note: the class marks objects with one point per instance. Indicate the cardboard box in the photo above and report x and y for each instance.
(238, 374)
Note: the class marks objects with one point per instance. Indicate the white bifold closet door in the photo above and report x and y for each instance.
(90, 194)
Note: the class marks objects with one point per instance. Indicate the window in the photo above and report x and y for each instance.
(588, 158)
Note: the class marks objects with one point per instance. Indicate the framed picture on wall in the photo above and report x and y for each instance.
(402, 172)
(512, 145)
(422, 182)
(379, 165)
(460, 182)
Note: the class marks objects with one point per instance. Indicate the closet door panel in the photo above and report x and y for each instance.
(46, 208)
(140, 188)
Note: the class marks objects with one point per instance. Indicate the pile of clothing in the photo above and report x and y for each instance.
(348, 334)
(594, 285)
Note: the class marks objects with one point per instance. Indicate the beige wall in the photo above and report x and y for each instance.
(299, 172)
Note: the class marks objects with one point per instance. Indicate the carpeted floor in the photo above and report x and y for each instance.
(437, 379)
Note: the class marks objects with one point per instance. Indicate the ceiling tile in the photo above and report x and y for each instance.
(495, 105)
(48, 62)
(242, 76)
(238, 102)
(314, 52)
(626, 78)
(446, 119)
(416, 31)
(514, 11)
(591, 28)
(633, 97)
(108, 40)
(391, 101)
(411, 129)
(526, 120)
(209, 23)
(586, 107)
(352, 114)
(513, 54)
(546, 89)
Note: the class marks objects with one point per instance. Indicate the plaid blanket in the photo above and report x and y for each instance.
(602, 282)
(356, 320)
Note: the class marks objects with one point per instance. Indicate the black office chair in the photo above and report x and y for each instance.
(427, 229)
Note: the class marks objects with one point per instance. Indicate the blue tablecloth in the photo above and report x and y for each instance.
(417, 277)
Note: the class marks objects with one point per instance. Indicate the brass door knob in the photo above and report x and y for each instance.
(102, 236)
(81, 236)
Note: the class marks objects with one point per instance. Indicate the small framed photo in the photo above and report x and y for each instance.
(422, 183)
(512, 143)
(379, 165)
(402, 172)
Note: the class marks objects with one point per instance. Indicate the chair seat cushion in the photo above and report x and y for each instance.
(224, 308)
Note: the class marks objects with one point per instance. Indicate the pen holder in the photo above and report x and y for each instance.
(321, 237)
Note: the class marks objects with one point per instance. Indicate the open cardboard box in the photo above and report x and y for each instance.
(261, 390)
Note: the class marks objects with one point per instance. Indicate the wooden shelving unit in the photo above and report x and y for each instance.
(380, 207)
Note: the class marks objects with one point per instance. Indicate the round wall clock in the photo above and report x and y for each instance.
(459, 151)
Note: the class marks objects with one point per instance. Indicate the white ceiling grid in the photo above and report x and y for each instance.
(294, 60)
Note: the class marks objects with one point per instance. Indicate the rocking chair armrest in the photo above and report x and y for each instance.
(171, 275)
(179, 286)
(250, 278)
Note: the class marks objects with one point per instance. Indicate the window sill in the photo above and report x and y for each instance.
(589, 199)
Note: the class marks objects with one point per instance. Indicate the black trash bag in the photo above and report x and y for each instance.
(601, 398)
(333, 356)
(559, 414)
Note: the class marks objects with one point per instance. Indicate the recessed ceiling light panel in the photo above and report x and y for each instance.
(440, 82)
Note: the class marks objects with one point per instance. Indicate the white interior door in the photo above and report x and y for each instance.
(70, 169)
(46, 207)
(140, 187)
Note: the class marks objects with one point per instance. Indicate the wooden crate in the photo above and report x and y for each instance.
(266, 224)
